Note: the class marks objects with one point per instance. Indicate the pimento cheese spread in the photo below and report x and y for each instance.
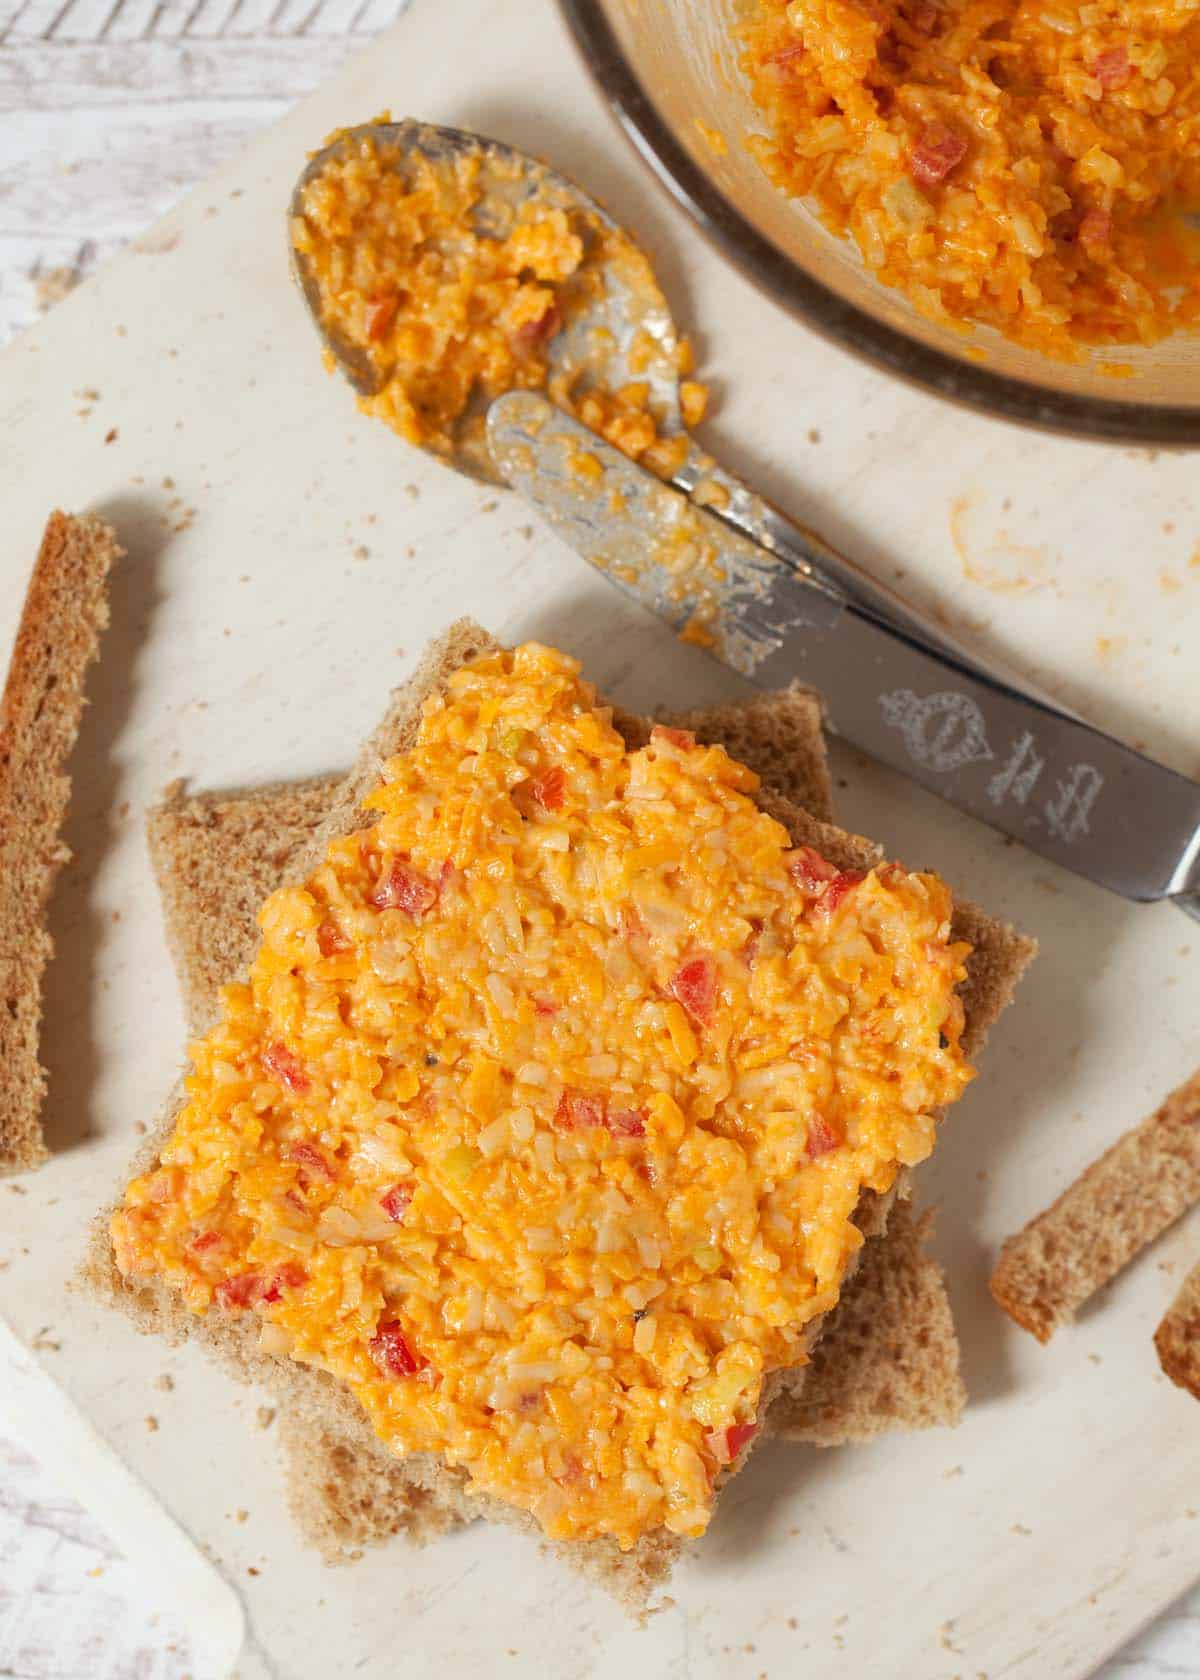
(1028, 165)
(543, 1116)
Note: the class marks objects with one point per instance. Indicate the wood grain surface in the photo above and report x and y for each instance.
(109, 111)
(112, 109)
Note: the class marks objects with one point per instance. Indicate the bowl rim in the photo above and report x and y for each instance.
(971, 385)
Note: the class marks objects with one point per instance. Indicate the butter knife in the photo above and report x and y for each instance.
(1014, 761)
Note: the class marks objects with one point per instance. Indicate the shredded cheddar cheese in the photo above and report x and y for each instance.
(543, 1117)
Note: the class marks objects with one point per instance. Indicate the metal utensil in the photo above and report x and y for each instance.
(594, 342)
(611, 335)
(1067, 791)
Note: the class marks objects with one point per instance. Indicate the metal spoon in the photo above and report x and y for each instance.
(593, 342)
(596, 344)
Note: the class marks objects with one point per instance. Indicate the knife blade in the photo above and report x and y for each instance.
(1066, 790)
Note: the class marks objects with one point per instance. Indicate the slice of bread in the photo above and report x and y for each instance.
(316, 1402)
(66, 608)
(1121, 1202)
(1177, 1338)
(889, 1359)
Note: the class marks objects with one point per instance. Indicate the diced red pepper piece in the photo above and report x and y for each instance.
(1095, 228)
(204, 1240)
(331, 940)
(391, 1350)
(842, 884)
(381, 312)
(308, 1155)
(577, 1108)
(286, 1069)
(291, 1275)
(240, 1291)
(809, 869)
(395, 1202)
(544, 1006)
(726, 1444)
(546, 325)
(821, 1138)
(937, 152)
(1112, 69)
(549, 789)
(580, 1109)
(404, 888)
(738, 1435)
(681, 738)
(695, 987)
(627, 1122)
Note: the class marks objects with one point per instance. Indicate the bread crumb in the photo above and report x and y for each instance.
(44, 1342)
(164, 1383)
(151, 1423)
(265, 1417)
(412, 491)
(168, 484)
(111, 435)
(793, 1623)
(489, 507)
(945, 1637)
(1095, 1359)
(814, 435)
(527, 532)
(241, 1516)
(362, 552)
(250, 1570)
(1019, 1528)
(140, 1127)
(1168, 582)
(52, 285)
(95, 1574)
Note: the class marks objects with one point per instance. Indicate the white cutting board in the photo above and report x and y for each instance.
(259, 641)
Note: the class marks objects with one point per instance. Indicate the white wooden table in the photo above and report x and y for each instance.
(109, 111)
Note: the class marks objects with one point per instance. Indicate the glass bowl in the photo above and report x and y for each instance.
(668, 69)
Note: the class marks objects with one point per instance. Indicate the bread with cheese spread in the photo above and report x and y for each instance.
(997, 957)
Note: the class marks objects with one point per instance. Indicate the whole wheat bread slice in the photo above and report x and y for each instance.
(218, 856)
(890, 1357)
(316, 1402)
(1177, 1338)
(1121, 1202)
(66, 608)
